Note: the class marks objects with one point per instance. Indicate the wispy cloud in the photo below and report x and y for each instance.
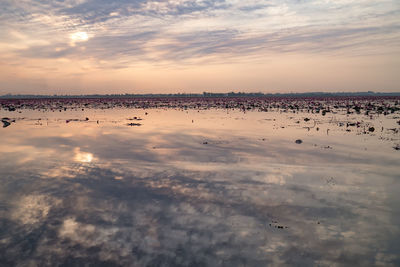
(179, 29)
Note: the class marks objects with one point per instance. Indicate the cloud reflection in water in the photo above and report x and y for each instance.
(167, 199)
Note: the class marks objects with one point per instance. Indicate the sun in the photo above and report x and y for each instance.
(78, 37)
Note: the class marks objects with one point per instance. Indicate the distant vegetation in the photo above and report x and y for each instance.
(206, 94)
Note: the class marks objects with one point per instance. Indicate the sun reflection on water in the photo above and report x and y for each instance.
(84, 157)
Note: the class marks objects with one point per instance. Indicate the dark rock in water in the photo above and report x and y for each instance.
(205, 143)
(87, 119)
(298, 141)
(397, 147)
(371, 129)
(5, 122)
(306, 119)
(11, 109)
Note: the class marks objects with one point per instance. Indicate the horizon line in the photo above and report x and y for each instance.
(204, 94)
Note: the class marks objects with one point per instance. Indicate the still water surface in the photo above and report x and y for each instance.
(198, 188)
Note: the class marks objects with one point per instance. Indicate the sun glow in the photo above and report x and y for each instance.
(78, 37)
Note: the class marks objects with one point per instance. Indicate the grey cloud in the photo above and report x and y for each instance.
(97, 11)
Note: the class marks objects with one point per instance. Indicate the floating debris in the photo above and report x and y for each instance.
(315, 105)
(134, 119)
(278, 226)
(331, 181)
(371, 107)
(69, 120)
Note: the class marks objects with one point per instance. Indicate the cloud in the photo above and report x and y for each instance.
(99, 38)
(179, 30)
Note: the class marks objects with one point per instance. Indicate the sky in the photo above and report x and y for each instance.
(171, 46)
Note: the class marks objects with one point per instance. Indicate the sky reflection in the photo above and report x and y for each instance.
(176, 193)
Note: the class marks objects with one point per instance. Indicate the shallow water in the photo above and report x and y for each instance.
(198, 188)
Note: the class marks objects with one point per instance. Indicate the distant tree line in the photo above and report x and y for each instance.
(205, 94)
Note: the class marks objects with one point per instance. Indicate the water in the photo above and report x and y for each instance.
(216, 187)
